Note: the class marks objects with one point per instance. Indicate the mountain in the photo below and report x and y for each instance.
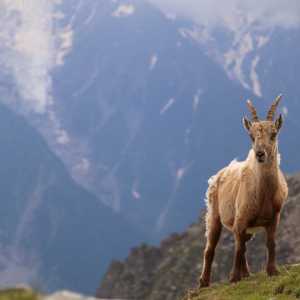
(52, 230)
(168, 271)
(144, 101)
(140, 108)
(137, 107)
(137, 102)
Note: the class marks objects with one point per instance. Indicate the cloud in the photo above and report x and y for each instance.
(32, 44)
(235, 13)
(66, 42)
(247, 26)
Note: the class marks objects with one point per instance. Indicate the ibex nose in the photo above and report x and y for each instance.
(260, 155)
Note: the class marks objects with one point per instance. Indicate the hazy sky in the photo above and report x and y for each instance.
(231, 13)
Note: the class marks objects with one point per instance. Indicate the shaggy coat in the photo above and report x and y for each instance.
(246, 197)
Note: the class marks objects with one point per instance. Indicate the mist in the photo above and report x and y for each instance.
(233, 14)
(32, 45)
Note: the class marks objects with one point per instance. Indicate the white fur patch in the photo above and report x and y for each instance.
(278, 159)
(235, 164)
(211, 183)
(211, 180)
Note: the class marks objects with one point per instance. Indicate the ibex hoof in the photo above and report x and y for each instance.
(235, 278)
(272, 271)
(203, 283)
(245, 274)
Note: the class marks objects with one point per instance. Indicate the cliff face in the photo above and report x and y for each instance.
(167, 271)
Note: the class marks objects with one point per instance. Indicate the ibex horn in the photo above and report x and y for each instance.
(272, 110)
(252, 110)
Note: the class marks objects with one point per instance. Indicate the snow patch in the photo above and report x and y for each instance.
(235, 57)
(66, 42)
(124, 10)
(167, 106)
(178, 176)
(136, 195)
(233, 14)
(262, 40)
(62, 137)
(83, 166)
(180, 173)
(196, 100)
(88, 83)
(153, 61)
(199, 34)
(135, 190)
(92, 15)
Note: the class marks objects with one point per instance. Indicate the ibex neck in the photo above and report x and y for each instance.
(267, 173)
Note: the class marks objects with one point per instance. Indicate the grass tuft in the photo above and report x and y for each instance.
(285, 286)
(18, 294)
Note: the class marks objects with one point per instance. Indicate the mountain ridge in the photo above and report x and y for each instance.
(142, 98)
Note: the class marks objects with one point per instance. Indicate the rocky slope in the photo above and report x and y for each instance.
(167, 271)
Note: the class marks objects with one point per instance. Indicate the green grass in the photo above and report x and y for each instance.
(18, 294)
(285, 286)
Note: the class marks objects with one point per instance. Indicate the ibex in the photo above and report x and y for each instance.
(247, 196)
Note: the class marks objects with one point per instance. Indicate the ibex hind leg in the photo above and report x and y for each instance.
(213, 232)
(245, 267)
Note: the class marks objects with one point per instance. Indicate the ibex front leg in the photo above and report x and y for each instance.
(239, 255)
(271, 245)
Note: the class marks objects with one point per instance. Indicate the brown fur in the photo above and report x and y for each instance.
(246, 196)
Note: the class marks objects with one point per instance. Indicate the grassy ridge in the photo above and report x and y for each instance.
(286, 286)
(18, 294)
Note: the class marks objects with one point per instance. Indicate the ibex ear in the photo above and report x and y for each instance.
(247, 124)
(279, 122)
